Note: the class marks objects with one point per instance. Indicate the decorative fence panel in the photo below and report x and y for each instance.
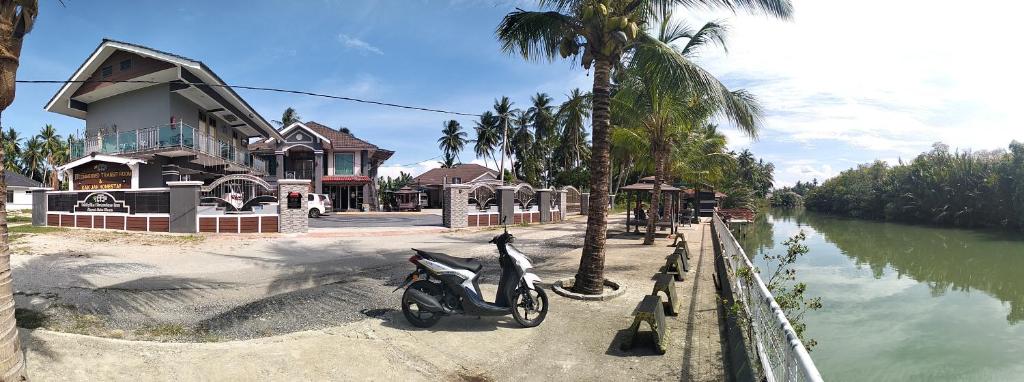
(780, 352)
(572, 200)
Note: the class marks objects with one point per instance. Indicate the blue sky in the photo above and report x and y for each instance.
(837, 91)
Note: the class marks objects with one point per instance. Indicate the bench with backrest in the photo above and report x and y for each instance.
(651, 311)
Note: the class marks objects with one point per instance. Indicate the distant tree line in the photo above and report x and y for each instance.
(38, 156)
(788, 197)
(961, 189)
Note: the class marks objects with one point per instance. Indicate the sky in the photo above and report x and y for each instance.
(842, 83)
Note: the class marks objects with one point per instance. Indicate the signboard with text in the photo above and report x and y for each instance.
(102, 176)
(101, 202)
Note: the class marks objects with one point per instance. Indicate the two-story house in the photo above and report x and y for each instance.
(337, 163)
(152, 117)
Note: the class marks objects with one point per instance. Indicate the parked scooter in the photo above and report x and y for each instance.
(444, 285)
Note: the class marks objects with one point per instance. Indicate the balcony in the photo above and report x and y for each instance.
(178, 136)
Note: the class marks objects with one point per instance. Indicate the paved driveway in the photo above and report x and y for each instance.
(376, 220)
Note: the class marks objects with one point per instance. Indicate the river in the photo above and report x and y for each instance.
(902, 302)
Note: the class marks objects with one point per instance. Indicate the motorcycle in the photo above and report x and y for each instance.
(444, 285)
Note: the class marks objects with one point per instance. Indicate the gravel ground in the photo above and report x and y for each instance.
(213, 288)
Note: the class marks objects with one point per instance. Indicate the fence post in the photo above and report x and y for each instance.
(563, 204)
(294, 218)
(455, 205)
(39, 206)
(544, 204)
(584, 203)
(184, 205)
(506, 205)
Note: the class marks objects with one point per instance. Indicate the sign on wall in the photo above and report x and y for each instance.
(102, 176)
(101, 202)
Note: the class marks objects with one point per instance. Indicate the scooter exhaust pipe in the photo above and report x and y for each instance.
(426, 301)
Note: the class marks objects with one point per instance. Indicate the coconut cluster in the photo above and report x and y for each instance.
(607, 33)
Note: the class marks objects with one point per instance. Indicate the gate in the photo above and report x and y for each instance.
(572, 200)
(238, 192)
(482, 196)
(524, 196)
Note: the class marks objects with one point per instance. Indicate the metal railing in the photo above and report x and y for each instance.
(782, 355)
(177, 135)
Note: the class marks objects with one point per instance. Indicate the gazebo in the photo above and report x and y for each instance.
(405, 199)
(667, 211)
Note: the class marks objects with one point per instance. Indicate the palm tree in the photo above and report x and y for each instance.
(11, 148)
(52, 150)
(503, 109)
(487, 137)
(32, 158)
(522, 147)
(545, 128)
(16, 19)
(288, 117)
(599, 34)
(572, 116)
(452, 140)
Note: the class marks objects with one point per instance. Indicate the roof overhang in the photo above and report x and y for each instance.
(101, 158)
(296, 125)
(189, 71)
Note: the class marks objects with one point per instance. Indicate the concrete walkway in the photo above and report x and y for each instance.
(578, 341)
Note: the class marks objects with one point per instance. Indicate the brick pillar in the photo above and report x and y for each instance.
(318, 171)
(544, 204)
(184, 204)
(39, 206)
(584, 203)
(293, 220)
(455, 205)
(506, 205)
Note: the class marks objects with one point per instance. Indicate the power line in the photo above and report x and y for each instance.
(259, 88)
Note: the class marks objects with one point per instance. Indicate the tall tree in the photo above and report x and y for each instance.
(504, 111)
(288, 117)
(32, 158)
(572, 116)
(600, 34)
(452, 140)
(545, 128)
(12, 149)
(487, 137)
(522, 147)
(16, 19)
(53, 150)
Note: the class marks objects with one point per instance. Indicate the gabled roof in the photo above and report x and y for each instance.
(101, 158)
(337, 140)
(14, 179)
(189, 70)
(465, 172)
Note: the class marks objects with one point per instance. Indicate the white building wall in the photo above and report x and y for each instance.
(22, 199)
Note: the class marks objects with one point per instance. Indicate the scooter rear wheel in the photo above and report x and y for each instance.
(529, 306)
(415, 314)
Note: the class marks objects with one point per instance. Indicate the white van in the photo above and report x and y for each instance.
(319, 204)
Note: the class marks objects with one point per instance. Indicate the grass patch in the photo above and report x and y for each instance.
(30, 319)
(162, 331)
(19, 218)
(86, 324)
(33, 229)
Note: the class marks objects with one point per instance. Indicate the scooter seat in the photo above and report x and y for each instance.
(472, 265)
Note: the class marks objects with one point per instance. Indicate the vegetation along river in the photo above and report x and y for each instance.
(902, 302)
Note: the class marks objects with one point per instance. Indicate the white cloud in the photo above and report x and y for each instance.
(357, 44)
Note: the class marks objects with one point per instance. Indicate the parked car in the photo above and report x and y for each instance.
(319, 204)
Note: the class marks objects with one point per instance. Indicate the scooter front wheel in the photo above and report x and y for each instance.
(529, 306)
(417, 315)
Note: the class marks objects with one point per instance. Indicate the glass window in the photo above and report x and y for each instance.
(344, 164)
(10, 196)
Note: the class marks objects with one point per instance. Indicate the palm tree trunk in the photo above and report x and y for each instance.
(652, 217)
(590, 276)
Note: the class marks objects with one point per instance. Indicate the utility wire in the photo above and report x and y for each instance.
(276, 90)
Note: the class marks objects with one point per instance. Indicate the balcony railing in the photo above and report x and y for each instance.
(178, 135)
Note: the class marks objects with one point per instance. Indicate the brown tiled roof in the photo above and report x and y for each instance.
(466, 172)
(339, 141)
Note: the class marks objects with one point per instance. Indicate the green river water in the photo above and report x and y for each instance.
(905, 303)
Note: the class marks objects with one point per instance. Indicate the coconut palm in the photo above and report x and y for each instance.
(452, 140)
(503, 109)
(572, 116)
(11, 148)
(53, 148)
(487, 137)
(545, 128)
(32, 158)
(288, 117)
(16, 19)
(522, 147)
(599, 34)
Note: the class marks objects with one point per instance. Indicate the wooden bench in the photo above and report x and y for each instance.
(675, 266)
(663, 283)
(652, 312)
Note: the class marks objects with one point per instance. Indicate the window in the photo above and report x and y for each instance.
(126, 64)
(106, 71)
(456, 180)
(311, 197)
(10, 196)
(344, 164)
